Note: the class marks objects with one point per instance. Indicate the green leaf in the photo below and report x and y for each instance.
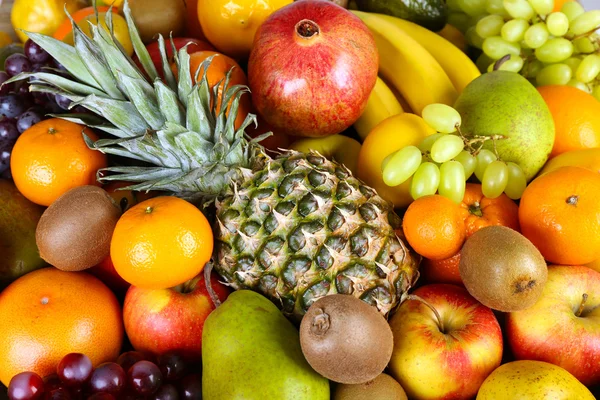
(64, 83)
(121, 114)
(115, 57)
(169, 76)
(141, 94)
(196, 116)
(194, 146)
(169, 103)
(138, 46)
(185, 84)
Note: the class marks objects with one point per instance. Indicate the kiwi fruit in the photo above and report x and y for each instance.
(384, 387)
(345, 339)
(154, 17)
(74, 233)
(502, 269)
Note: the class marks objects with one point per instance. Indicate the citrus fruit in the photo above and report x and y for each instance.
(160, 243)
(560, 214)
(479, 211)
(126, 198)
(41, 16)
(49, 313)
(595, 265)
(66, 28)
(51, 157)
(576, 116)
(584, 158)
(434, 227)
(441, 271)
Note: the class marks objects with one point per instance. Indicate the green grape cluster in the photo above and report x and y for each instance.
(443, 162)
(526, 36)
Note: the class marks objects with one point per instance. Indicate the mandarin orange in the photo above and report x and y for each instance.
(479, 211)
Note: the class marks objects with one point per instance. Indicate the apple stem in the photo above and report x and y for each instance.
(213, 296)
(435, 312)
(582, 305)
(307, 29)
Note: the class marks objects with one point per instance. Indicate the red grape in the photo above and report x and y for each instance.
(127, 359)
(191, 387)
(17, 63)
(109, 378)
(35, 53)
(57, 394)
(26, 386)
(145, 377)
(52, 382)
(74, 369)
(101, 396)
(172, 365)
(166, 392)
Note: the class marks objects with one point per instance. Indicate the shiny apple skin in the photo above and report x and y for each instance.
(430, 364)
(158, 321)
(550, 331)
(312, 87)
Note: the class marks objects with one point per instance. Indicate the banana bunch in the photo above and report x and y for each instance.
(417, 67)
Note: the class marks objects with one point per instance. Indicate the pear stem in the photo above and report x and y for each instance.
(582, 305)
(213, 296)
(432, 308)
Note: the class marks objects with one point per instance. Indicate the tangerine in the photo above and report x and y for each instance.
(576, 116)
(49, 313)
(559, 213)
(441, 271)
(51, 158)
(434, 227)
(161, 243)
(479, 211)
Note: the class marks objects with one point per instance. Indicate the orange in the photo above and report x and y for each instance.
(219, 66)
(595, 265)
(66, 28)
(126, 198)
(576, 116)
(434, 227)
(441, 271)
(479, 211)
(49, 313)
(51, 157)
(559, 3)
(160, 243)
(559, 212)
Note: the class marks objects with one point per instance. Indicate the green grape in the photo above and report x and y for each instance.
(588, 69)
(425, 145)
(490, 25)
(554, 74)
(536, 35)
(596, 92)
(441, 117)
(473, 38)
(532, 68)
(542, 7)
(446, 148)
(452, 181)
(495, 179)
(584, 45)
(579, 85)
(459, 20)
(554, 50)
(495, 47)
(468, 161)
(519, 9)
(572, 10)
(514, 30)
(484, 158)
(557, 24)
(483, 62)
(496, 7)
(512, 64)
(402, 165)
(453, 5)
(573, 62)
(586, 22)
(425, 181)
(472, 7)
(516, 181)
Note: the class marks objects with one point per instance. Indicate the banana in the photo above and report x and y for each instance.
(381, 105)
(459, 67)
(405, 64)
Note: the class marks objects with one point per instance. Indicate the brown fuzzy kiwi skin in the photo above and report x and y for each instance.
(502, 269)
(74, 233)
(384, 387)
(345, 339)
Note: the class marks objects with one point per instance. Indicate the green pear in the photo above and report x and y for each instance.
(505, 103)
(18, 220)
(251, 351)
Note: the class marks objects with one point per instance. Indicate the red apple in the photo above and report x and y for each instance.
(446, 355)
(105, 271)
(312, 67)
(563, 327)
(158, 321)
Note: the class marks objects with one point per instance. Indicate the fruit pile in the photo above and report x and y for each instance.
(305, 199)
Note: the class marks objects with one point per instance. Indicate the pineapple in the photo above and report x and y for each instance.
(295, 228)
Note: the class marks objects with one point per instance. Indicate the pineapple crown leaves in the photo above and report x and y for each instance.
(176, 123)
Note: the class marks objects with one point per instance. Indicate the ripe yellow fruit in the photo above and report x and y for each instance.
(41, 16)
(584, 158)
(392, 134)
(230, 25)
(342, 149)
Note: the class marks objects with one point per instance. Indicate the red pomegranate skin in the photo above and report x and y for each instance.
(317, 85)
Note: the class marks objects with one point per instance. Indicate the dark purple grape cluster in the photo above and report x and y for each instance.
(19, 108)
(133, 376)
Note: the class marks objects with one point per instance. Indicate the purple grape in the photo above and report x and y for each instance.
(172, 365)
(51, 106)
(74, 369)
(166, 392)
(108, 378)
(58, 394)
(62, 101)
(191, 387)
(5, 89)
(8, 131)
(35, 53)
(39, 98)
(26, 386)
(4, 158)
(27, 120)
(145, 377)
(17, 63)
(11, 105)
